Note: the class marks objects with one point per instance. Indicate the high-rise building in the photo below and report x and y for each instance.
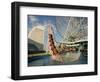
(36, 37)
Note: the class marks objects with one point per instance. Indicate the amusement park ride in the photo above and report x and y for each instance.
(51, 46)
(66, 47)
(67, 29)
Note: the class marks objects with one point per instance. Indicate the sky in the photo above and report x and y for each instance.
(35, 20)
(59, 24)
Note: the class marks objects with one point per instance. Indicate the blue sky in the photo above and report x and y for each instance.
(35, 20)
(59, 24)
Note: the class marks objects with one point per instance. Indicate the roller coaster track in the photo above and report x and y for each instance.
(52, 48)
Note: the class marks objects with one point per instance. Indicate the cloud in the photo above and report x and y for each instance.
(32, 21)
